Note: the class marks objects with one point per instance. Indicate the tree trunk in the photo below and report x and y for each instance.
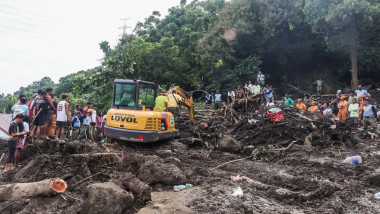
(41, 188)
(354, 53)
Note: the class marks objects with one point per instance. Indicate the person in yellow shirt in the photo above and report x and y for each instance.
(301, 106)
(313, 108)
(173, 102)
(162, 101)
(342, 106)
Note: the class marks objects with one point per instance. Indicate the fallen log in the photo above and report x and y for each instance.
(46, 187)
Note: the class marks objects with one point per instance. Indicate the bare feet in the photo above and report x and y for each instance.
(8, 167)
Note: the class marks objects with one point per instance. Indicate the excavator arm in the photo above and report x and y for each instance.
(187, 100)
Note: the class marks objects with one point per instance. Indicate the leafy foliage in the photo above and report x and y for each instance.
(218, 44)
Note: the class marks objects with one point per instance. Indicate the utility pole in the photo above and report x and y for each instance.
(125, 26)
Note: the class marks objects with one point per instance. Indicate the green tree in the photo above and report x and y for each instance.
(342, 22)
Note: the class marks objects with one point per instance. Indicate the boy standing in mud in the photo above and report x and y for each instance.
(15, 132)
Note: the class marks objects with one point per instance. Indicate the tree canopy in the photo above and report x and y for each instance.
(218, 44)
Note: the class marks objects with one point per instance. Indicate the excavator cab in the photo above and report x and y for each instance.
(133, 116)
(133, 94)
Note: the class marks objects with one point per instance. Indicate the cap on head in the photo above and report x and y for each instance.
(339, 91)
(366, 99)
(174, 90)
(163, 92)
(19, 111)
(35, 95)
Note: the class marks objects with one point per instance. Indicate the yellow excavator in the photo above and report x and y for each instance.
(133, 116)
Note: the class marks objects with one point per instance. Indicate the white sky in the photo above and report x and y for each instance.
(55, 38)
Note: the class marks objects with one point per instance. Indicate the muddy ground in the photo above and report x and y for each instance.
(304, 179)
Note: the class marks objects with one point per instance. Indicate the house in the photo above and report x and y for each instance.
(5, 120)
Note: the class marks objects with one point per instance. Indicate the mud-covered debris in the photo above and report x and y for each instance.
(106, 198)
(156, 170)
(229, 144)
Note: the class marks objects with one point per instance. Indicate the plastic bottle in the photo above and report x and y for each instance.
(189, 185)
(353, 160)
(179, 187)
(377, 195)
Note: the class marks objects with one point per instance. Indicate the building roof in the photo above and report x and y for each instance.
(5, 121)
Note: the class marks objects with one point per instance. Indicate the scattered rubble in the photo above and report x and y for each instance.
(293, 166)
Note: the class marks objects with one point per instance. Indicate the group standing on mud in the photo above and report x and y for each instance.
(45, 117)
(356, 105)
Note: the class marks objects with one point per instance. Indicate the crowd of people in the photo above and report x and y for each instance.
(240, 93)
(44, 117)
(356, 105)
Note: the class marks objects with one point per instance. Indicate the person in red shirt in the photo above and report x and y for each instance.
(239, 93)
(86, 107)
(31, 104)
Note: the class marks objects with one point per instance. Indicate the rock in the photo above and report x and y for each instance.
(248, 150)
(156, 171)
(229, 144)
(173, 160)
(106, 198)
(164, 153)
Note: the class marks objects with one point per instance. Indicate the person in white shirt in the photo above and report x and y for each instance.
(231, 96)
(248, 87)
(63, 115)
(319, 85)
(270, 103)
(93, 122)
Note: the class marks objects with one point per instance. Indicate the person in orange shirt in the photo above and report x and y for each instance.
(300, 105)
(313, 108)
(342, 106)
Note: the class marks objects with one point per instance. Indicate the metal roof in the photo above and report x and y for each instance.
(5, 121)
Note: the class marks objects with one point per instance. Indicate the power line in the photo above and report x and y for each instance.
(27, 23)
(23, 35)
(26, 11)
(25, 17)
(20, 29)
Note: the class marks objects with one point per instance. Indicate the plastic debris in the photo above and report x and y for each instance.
(377, 195)
(238, 192)
(181, 187)
(353, 160)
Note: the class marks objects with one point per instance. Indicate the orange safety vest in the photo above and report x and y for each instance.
(313, 109)
(301, 106)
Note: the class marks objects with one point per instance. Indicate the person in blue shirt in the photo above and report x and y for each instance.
(209, 98)
(361, 92)
(260, 78)
(369, 118)
(21, 105)
(76, 124)
(326, 110)
(218, 99)
(268, 92)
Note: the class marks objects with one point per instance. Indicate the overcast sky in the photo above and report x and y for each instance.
(55, 38)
